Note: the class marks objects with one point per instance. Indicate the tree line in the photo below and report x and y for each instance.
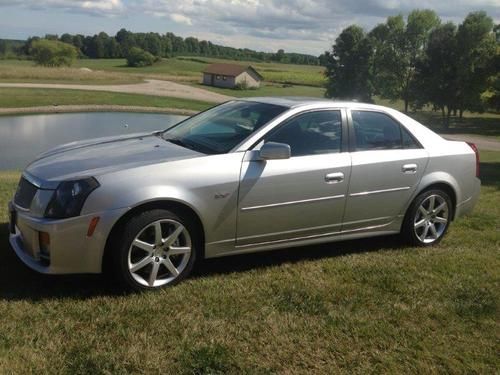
(421, 61)
(103, 45)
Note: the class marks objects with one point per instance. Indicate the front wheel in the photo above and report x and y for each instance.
(428, 218)
(157, 248)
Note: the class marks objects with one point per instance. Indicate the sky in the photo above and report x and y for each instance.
(307, 26)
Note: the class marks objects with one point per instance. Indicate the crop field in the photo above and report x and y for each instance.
(350, 307)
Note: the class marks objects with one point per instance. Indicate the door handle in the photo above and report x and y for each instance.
(409, 168)
(334, 178)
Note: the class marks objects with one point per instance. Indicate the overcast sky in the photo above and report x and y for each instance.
(308, 26)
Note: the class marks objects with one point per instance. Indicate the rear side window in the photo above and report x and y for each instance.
(378, 131)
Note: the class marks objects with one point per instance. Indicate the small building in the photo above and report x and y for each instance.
(231, 76)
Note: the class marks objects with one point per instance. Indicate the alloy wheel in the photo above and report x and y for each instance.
(431, 219)
(159, 253)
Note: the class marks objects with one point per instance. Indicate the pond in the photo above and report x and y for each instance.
(24, 137)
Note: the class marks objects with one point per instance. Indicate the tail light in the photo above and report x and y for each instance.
(476, 151)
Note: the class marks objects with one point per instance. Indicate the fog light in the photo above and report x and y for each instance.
(92, 226)
(44, 245)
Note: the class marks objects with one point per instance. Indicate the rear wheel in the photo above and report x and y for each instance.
(157, 248)
(428, 218)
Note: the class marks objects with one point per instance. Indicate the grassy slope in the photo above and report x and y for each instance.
(14, 98)
(358, 306)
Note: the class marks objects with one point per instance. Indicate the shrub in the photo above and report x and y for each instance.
(53, 53)
(138, 57)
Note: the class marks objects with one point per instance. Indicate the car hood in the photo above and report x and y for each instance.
(103, 155)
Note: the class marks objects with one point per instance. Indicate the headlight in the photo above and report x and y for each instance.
(69, 197)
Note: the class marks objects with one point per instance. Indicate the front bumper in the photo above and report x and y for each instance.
(71, 250)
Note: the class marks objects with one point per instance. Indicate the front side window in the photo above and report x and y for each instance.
(311, 133)
(222, 128)
(378, 131)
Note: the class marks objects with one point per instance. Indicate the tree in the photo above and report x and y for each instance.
(78, 41)
(153, 44)
(399, 48)
(126, 40)
(280, 55)
(3, 47)
(477, 48)
(53, 53)
(192, 45)
(492, 95)
(138, 57)
(348, 67)
(436, 75)
(66, 38)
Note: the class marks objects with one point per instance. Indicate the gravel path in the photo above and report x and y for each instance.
(149, 87)
(483, 143)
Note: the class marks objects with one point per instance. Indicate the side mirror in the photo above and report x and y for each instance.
(275, 151)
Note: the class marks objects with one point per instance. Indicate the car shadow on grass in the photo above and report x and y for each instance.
(18, 282)
(265, 259)
(490, 174)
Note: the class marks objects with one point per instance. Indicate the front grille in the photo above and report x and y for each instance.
(25, 193)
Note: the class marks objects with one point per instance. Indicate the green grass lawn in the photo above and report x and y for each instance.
(350, 307)
(24, 97)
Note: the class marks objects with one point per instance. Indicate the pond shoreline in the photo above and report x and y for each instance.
(95, 108)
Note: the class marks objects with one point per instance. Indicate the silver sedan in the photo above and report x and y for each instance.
(244, 176)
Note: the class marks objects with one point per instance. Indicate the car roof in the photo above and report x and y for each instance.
(295, 102)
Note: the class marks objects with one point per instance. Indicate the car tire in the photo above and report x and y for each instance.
(154, 249)
(428, 218)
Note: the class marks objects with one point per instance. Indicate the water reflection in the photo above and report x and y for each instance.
(24, 137)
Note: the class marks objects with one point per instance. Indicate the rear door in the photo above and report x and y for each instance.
(387, 165)
(303, 196)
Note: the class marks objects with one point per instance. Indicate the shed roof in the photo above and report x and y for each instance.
(231, 70)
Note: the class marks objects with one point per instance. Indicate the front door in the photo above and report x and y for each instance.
(387, 165)
(303, 196)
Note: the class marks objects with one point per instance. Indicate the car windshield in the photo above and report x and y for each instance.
(223, 127)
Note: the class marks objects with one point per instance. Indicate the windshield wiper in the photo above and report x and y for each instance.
(180, 142)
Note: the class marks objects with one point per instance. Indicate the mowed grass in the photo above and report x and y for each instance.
(349, 307)
(25, 97)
